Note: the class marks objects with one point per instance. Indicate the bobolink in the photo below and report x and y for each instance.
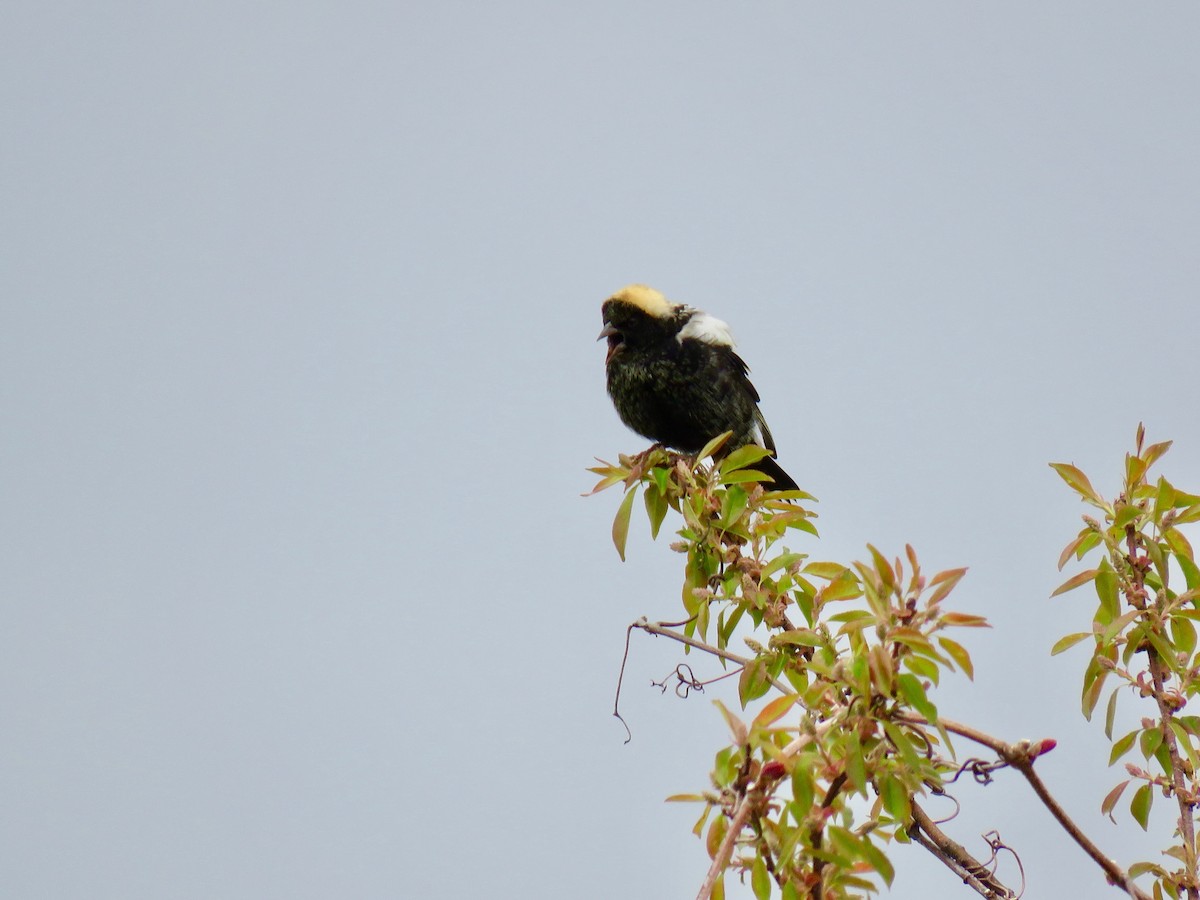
(674, 377)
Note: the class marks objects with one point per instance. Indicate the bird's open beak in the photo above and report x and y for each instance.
(614, 340)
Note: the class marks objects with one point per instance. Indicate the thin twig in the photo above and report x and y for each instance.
(620, 680)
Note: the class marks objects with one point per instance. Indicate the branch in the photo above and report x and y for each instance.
(1187, 831)
(801, 741)
(725, 851)
(971, 734)
(1021, 756)
(955, 857)
(660, 628)
(1158, 675)
(1021, 759)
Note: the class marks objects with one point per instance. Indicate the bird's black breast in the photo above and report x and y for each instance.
(683, 394)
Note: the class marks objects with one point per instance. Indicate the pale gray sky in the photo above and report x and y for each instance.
(299, 384)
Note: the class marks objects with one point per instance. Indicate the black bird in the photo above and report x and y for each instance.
(674, 378)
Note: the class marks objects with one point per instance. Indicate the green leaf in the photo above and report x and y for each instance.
(1190, 514)
(725, 630)
(1121, 747)
(1154, 452)
(830, 571)
(1149, 741)
(620, 529)
(656, 510)
(1093, 684)
(661, 477)
(962, 620)
(1110, 800)
(912, 690)
(945, 582)
(1137, 869)
(733, 504)
(1164, 498)
(1183, 635)
(1106, 590)
(883, 568)
(1178, 543)
(804, 597)
(1135, 469)
(798, 637)
(782, 561)
(695, 576)
(753, 682)
(760, 879)
(1110, 713)
(958, 653)
(703, 616)
(879, 861)
(743, 476)
(896, 799)
(844, 587)
(1191, 574)
(883, 669)
(1078, 482)
(713, 446)
(698, 828)
(1185, 742)
(852, 615)
(922, 667)
(1065, 643)
(774, 711)
(1074, 581)
(1139, 806)
(1092, 540)
(906, 744)
(856, 765)
(803, 790)
(1164, 649)
(736, 726)
(724, 769)
(1191, 724)
(799, 522)
(1126, 513)
(742, 457)
(1073, 547)
(1117, 625)
(846, 845)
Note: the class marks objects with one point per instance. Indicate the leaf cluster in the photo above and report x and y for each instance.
(818, 783)
(1143, 643)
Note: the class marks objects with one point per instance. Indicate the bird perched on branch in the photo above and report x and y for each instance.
(674, 378)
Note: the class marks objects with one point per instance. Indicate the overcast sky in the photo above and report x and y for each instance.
(300, 382)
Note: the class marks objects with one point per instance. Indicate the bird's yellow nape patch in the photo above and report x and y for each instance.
(647, 299)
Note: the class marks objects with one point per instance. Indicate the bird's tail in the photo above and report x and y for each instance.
(780, 480)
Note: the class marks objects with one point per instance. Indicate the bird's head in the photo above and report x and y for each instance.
(639, 317)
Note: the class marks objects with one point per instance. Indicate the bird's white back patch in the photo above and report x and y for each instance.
(709, 329)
